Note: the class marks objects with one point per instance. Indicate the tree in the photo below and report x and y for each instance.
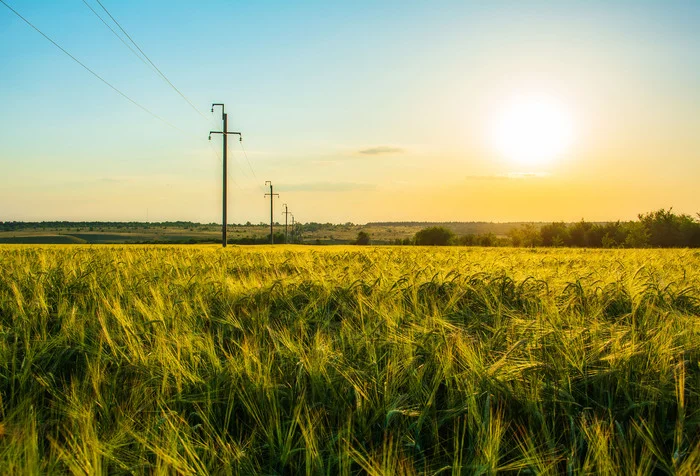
(555, 234)
(614, 235)
(362, 238)
(470, 239)
(434, 236)
(578, 232)
(486, 239)
(527, 235)
(666, 229)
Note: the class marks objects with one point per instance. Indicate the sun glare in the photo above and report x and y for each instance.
(532, 131)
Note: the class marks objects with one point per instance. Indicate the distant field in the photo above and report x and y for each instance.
(346, 360)
(106, 236)
(198, 233)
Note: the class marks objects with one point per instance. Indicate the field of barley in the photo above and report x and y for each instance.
(348, 360)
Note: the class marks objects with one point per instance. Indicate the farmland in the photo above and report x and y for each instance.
(340, 360)
(187, 232)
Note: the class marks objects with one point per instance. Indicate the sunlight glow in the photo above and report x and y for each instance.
(532, 130)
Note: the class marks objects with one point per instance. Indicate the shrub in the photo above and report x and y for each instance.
(362, 238)
(434, 236)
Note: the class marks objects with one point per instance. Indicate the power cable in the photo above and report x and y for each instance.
(238, 165)
(246, 159)
(153, 64)
(250, 166)
(114, 88)
(117, 34)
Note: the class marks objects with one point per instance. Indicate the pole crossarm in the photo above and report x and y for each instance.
(222, 108)
(240, 136)
(229, 133)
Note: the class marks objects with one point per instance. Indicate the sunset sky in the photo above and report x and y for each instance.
(356, 111)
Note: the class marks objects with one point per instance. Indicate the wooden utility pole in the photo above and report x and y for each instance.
(286, 213)
(272, 216)
(225, 133)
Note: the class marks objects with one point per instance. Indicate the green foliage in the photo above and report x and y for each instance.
(659, 229)
(363, 238)
(339, 360)
(665, 229)
(556, 234)
(527, 235)
(485, 239)
(434, 236)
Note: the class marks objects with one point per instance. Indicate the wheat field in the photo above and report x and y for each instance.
(348, 360)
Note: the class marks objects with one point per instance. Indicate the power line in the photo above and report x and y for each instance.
(116, 34)
(153, 64)
(117, 90)
(249, 164)
(114, 88)
(246, 159)
(237, 164)
(165, 78)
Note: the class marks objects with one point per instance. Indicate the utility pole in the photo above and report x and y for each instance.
(294, 230)
(272, 216)
(286, 213)
(225, 133)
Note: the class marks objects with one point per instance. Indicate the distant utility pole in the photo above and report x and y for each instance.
(225, 134)
(272, 216)
(286, 213)
(294, 230)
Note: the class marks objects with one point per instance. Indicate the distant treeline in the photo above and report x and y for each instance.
(457, 227)
(125, 225)
(658, 229)
(443, 223)
(129, 225)
(258, 240)
(245, 240)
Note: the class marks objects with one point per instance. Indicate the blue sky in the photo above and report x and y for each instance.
(313, 84)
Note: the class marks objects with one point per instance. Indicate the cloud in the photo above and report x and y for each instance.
(381, 150)
(328, 187)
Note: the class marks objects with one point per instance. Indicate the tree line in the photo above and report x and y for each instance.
(658, 229)
(112, 225)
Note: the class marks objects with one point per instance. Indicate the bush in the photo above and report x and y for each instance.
(362, 238)
(434, 236)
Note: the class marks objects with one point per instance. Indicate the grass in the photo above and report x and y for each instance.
(303, 360)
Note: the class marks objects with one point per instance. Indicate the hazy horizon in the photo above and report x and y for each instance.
(362, 112)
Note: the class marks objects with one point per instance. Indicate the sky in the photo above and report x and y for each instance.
(356, 111)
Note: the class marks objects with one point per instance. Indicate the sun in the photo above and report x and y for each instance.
(532, 130)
